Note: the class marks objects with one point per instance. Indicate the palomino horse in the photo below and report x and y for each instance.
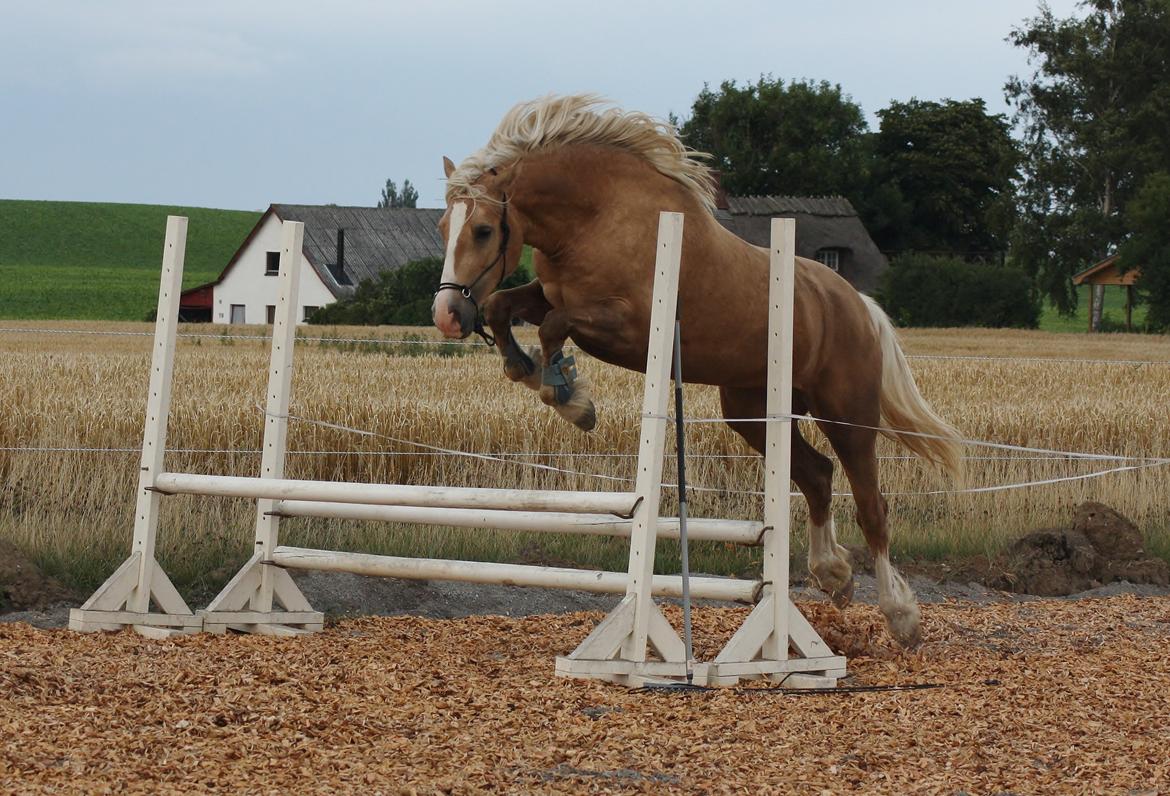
(583, 185)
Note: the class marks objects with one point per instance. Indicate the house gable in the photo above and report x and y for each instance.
(247, 288)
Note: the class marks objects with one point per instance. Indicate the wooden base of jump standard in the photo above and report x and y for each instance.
(125, 600)
(800, 673)
(601, 656)
(263, 599)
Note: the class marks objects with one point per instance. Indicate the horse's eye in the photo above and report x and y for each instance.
(482, 232)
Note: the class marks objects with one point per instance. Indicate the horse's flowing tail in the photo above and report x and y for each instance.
(904, 408)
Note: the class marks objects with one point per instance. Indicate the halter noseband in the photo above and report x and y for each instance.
(465, 290)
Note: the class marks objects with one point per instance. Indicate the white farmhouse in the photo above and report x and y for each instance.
(343, 246)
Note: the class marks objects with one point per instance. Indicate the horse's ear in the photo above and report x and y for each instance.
(448, 166)
(505, 176)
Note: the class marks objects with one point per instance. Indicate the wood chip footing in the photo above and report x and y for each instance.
(1038, 697)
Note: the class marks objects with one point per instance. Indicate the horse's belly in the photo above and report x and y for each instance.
(622, 357)
(722, 368)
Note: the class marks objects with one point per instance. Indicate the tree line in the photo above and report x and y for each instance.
(1080, 171)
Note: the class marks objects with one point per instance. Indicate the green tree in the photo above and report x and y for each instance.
(942, 179)
(773, 137)
(391, 197)
(1095, 119)
(1148, 248)
(927, 290)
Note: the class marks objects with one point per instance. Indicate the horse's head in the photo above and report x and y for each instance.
(482, 244)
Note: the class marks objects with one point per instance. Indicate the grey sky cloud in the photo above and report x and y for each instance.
(238, 104)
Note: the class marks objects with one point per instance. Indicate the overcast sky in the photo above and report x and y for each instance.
(237, 104)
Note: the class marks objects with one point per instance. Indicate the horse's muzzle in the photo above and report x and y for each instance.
(453, 314)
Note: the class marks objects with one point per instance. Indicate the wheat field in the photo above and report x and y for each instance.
(72, 510)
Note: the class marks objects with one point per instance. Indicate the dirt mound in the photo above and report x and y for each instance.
(23, 587)
(1101, 546)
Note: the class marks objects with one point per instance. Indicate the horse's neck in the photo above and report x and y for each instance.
(564, 193)
(579, 204)
(557, 194)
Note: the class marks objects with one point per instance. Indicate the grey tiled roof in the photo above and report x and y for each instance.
(376, 239)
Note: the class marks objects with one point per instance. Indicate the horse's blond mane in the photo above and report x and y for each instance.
(552, 122)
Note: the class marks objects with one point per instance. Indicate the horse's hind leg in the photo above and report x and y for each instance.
(527, 303)
(857, 450)
(828, 562)
(561, 388)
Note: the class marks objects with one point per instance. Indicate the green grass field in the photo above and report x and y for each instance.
(98, 261)
(1053, 321)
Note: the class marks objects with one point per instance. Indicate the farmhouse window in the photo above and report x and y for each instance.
(272, 264)
(308, 311)
(830, 257)
(270, 313)
(237, 315)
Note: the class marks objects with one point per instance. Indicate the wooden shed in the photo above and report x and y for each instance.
(1105, 273)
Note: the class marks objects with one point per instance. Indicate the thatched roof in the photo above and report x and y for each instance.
(783, 206)
(822, 222)
(376, 239)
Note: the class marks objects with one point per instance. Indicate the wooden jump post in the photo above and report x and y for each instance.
(126, 598)
(633, 645)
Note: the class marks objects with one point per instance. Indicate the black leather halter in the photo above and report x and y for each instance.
(465, 290)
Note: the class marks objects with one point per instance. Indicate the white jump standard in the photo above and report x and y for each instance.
(776, 642)
(125, 599)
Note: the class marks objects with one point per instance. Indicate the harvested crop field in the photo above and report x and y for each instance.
(1038, 697)
(72, 409)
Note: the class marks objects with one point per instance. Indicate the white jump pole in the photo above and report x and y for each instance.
(762, 644)
(742, 532)
(271, 488)
(778, 442)
(652, 445)
(618, 649)
(260, 589)
(126, 597)
(708, 588)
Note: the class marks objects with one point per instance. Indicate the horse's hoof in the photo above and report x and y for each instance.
(843, 596)
(834, 577)
(518, 366)
(905, 626)
(584, 418)
(898, 605)
(578, 409)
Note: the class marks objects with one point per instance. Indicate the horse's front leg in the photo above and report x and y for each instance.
(527, 303)
(561, 387)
